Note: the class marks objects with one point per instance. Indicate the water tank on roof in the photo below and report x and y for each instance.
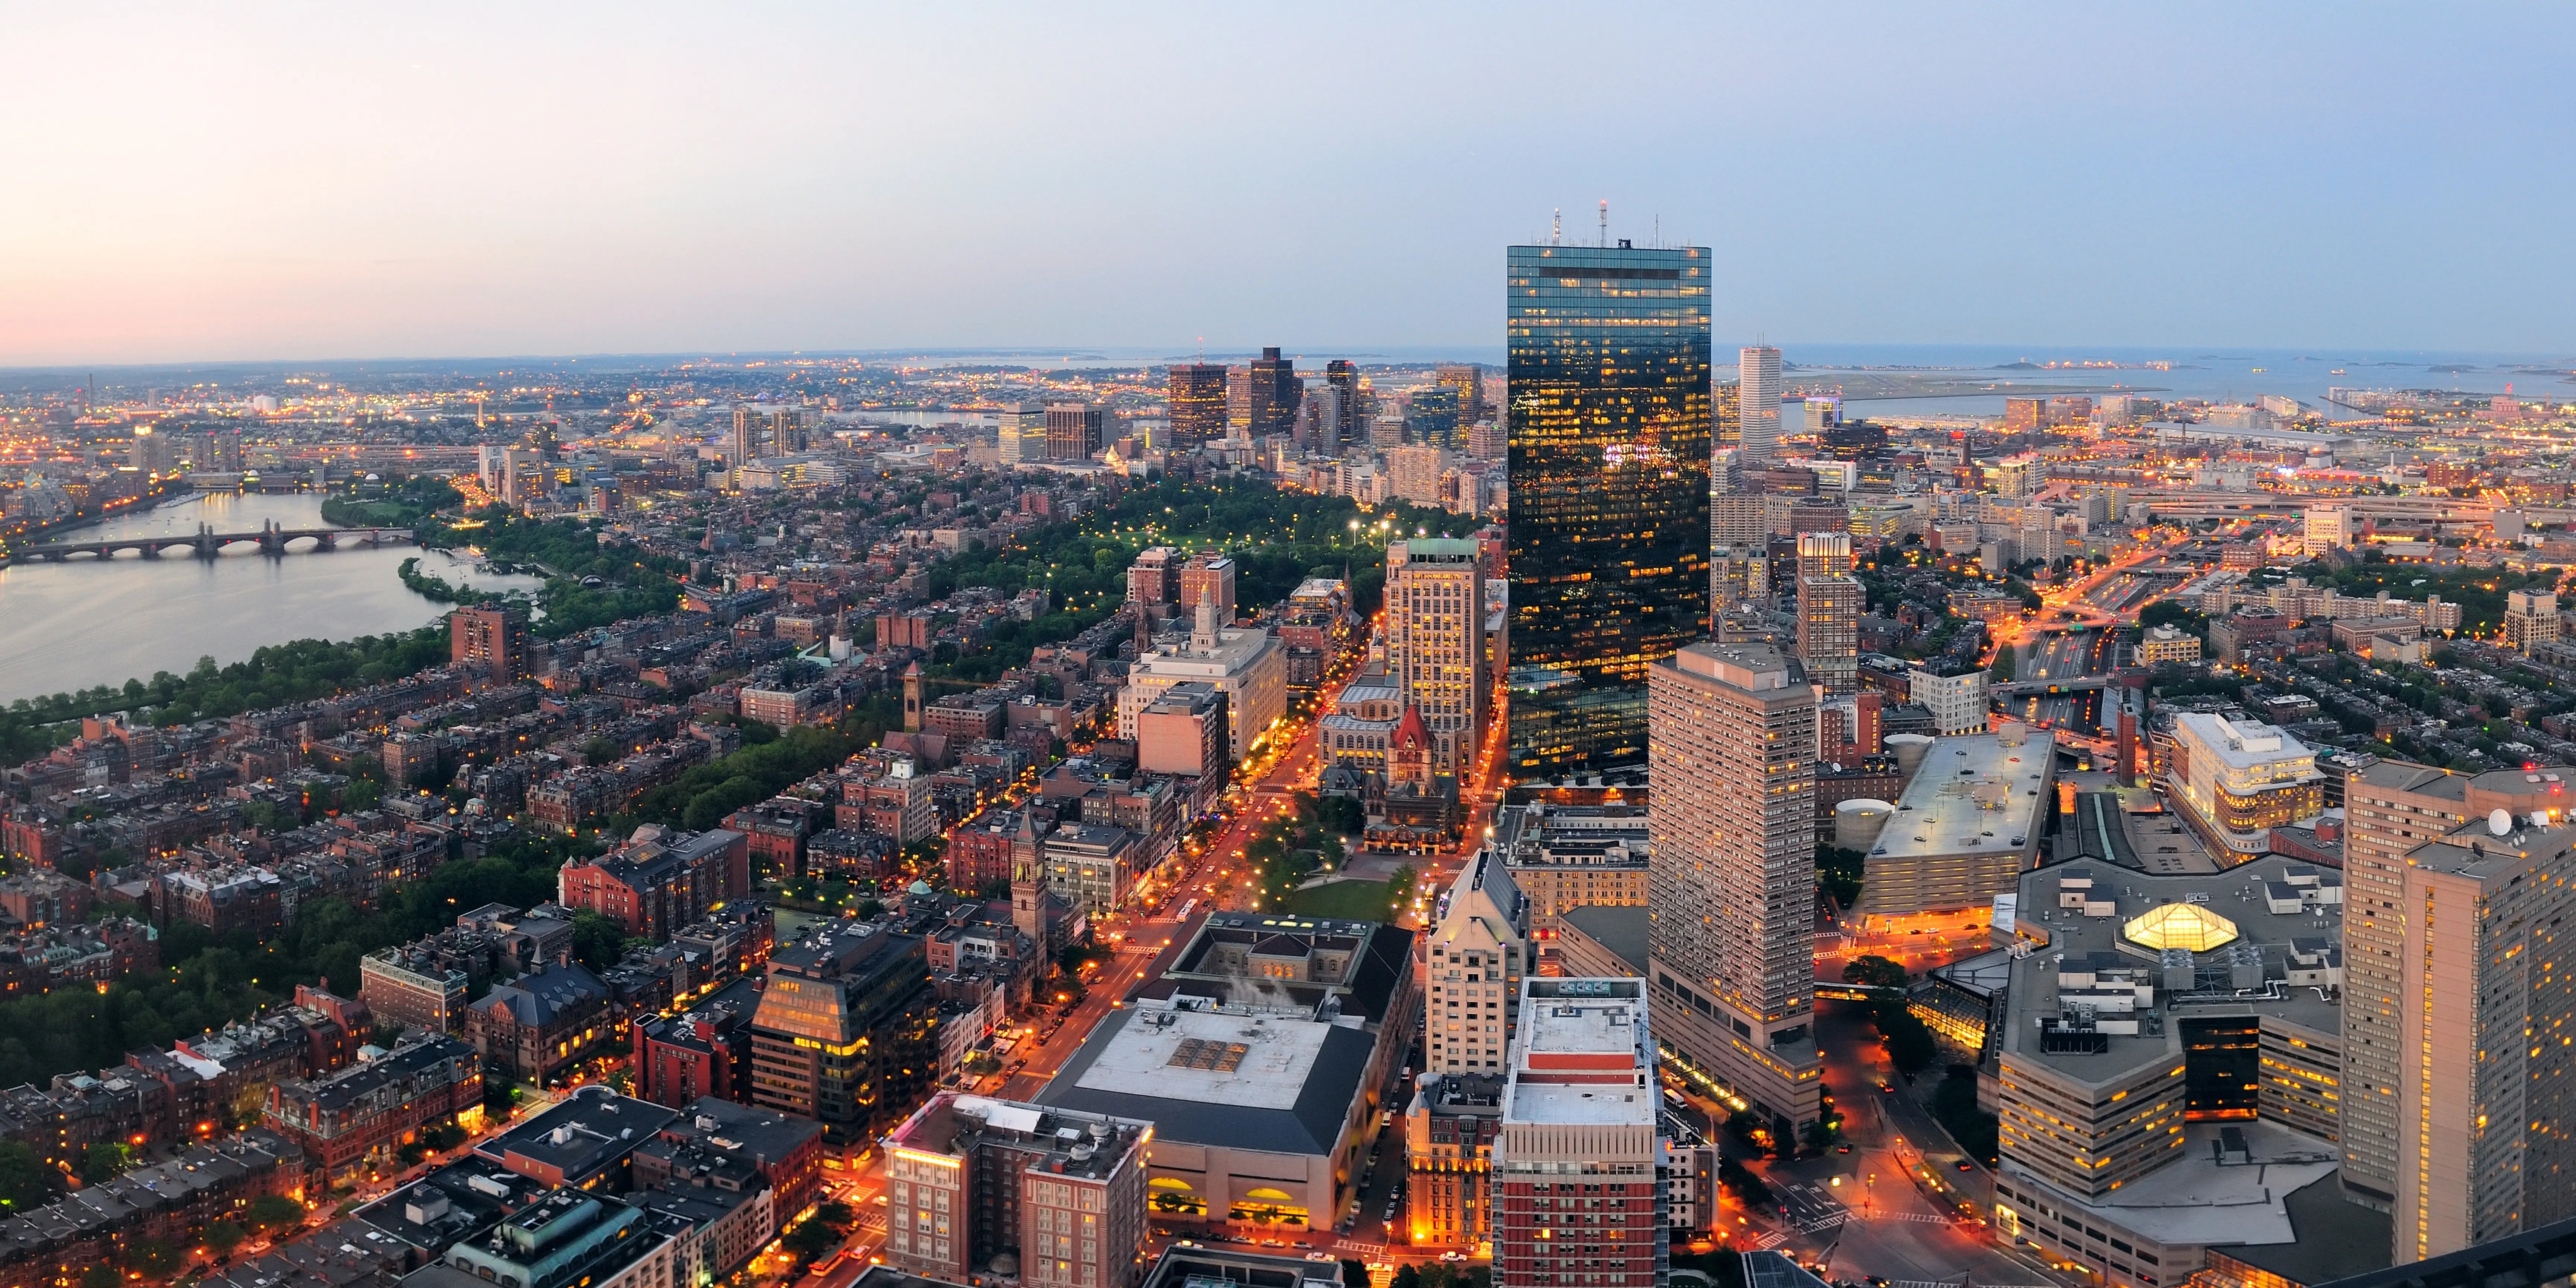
(1908, 748)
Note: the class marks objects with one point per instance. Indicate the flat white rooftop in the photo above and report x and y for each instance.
(1971, 793)
(1584, 1055)
(1256, 1062)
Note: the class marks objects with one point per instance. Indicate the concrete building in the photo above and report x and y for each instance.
(2237, 780)
(2168, 1071)
(2163, 644)
(2391, 809)
(1829, 629)
(1073, 430)
(1966, 826)
(1246, 665)
(1260, 1112)
(1564, 857)
(1733, 828)
(1058, 1195)
(1023, 433)
(1957, 700)
(368, 1111)
(2530, 619)
(1757, 395)
(1576, 1191)
(1091, 867)
(1435, 625)
(566, 1238)
(1183, 732)
(1480, 950)
(2485, 1103)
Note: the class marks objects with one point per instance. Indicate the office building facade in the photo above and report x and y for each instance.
(1608, 467)
(1757, 401)
(1194, 397)
(1073, 430)
(1435, 634)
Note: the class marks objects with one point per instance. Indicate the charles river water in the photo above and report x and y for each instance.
(68, 626)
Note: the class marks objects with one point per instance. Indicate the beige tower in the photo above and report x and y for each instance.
(1435, 635)
(1731, 814)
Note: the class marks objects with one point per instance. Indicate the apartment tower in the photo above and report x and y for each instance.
(2392, 809)
(1194, 392)
(1732, 882)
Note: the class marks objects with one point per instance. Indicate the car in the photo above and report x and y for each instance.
(1966, 1166)
(1274, 1243)
(1844, 1149)
(1453, 1256)
(1884, 1086)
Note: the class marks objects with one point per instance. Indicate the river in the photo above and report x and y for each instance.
(68, 626)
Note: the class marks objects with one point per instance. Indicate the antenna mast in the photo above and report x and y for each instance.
(1605, 223)
(1556, 228)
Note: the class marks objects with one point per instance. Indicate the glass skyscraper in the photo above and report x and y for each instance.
(1609, 452)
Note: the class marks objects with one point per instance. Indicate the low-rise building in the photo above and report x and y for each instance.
(1449, 1133)
(1565, 857)
(364, 1112)
(537, 1026)
(1965, 827)
(661, 879)
(1063, 1193)
(2239, 779)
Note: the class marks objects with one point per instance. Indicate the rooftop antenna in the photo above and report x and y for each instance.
(1659, 232)
(1556, 228)
(1605, 223)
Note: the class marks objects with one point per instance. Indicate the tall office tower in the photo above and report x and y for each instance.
(1829, 631)
(1824, 554)
(1434, 417)
(1435, 644)
(1480, 949)
(1341, 376)
(1732, 824)
(494, 639)
(1072, 431)
(1238, 402)
(1195, 392)
(2530, 619)
(2391, 808)
(2487, 1086)
(1608, 471)
(786, 431)
(1757, 394)
(1275, 392)
(1726, 408)
(1575, 1193)
(745, 447)
(1469, 380)
(1023, 433)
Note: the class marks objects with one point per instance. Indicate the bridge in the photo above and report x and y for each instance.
(2072, 684)
(206, 543)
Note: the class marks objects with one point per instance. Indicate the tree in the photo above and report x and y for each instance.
(1874, 970)
(1909, 1041)
(273, 1211)
(597, 942)
(1354, 1273)
(500, 1099)
(25, 1181)
(1399, 885)
(1819, 1135)
(105, 1162)
(1407, 1276)
(224, 1236)
(101, 1277)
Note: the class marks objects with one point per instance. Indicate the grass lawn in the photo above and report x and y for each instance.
(1349, 900)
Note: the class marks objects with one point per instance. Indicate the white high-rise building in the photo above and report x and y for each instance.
(1023, 433)
(1757, 402)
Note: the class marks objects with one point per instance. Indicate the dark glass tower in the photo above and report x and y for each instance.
(1609, 441)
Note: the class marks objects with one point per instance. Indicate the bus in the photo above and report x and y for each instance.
(1187, 907)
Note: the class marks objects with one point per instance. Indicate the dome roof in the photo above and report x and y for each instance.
(2179, 925)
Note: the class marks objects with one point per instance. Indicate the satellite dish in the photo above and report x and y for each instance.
(2499, 822)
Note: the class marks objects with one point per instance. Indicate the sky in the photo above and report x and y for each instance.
(191, 182)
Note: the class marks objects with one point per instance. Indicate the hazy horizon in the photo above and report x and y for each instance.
(202, 187)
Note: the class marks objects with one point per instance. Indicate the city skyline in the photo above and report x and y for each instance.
(537, 185)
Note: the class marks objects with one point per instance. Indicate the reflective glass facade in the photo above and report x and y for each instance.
(1609, 452)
